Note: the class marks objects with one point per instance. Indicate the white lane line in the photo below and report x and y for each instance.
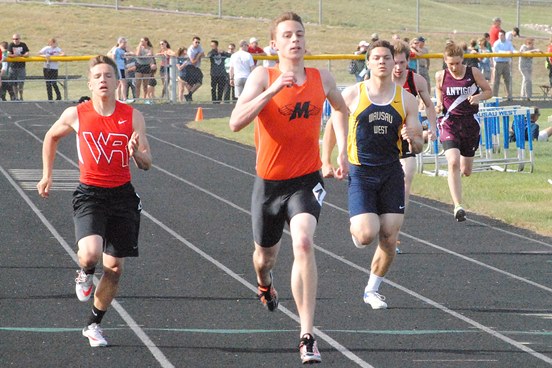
(318, 333)
(406, 290)
(486, 225)
(156, 352)
(367, 271)
(330, 204)
(128, 319)
(412, 293)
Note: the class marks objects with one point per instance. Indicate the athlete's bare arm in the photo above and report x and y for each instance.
(423, 92)
(66, 124)
(486, 91)
(412, 130)
(339, 120)
(138, 146)
(256, 94)
(438, 92)
(329, 139)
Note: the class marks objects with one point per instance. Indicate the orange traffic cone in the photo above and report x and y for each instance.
(199, 114)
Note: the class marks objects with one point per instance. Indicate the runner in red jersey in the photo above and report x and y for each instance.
(109, 134)
(288, 101)
(459, 90)
(418, 86)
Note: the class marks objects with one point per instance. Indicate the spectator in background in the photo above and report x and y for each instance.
(130, 73)
(359, 66)
(144, 61)
(194, 75)
(182, 60)
(526, 68)
(254, 48)
(50, 70)
(423, 64)
(414, 51)
(471, 49)
(229, 90)
(484, 62)
(17, 71)
(218, 72)
(536, 133)
(488, 43)
(241, 65)
(165, 53)
(502, 65)
(7, 86)
(511, 34)
(118, 54)
(150, 88)
(495, 28)
(374, 37)
(270, 51)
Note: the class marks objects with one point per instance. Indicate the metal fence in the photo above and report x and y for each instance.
(166, 89)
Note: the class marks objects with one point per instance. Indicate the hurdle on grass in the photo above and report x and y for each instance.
(433, 150)
(495, 124)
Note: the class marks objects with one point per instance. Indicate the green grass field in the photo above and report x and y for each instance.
(518, 198)
(84, 30)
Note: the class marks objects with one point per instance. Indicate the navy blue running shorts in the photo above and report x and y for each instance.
(376, 189)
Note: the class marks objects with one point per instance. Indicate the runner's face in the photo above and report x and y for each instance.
(400, 65)
(102, 80)
(454, 64)
(381, 62)
(290, 39)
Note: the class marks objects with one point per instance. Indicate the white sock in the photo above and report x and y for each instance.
(373, 283)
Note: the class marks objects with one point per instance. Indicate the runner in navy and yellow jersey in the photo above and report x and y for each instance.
(382, 114)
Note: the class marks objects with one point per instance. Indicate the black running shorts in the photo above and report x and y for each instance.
(275, 202)
(112, 213)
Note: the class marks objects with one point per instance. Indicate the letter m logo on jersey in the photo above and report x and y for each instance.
(112, 147)
(300, 111)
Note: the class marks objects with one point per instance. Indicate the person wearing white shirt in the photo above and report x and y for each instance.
(502, 64)
(51, 68)
(270, 51)
(241, 65)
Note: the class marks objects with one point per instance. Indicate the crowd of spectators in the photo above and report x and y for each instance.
(494, 69)
(140, 67)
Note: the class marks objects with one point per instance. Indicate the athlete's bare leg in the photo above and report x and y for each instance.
(304, 276)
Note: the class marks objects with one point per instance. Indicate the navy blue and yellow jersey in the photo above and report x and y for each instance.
(374, 137)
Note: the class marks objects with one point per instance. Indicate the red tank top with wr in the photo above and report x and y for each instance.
(102, 143)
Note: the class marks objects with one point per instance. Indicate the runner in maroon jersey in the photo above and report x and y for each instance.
(459, 91)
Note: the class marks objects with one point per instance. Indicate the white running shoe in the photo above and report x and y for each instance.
(83, 285)
(95, 335)
(459, 213)
(376, 300)
(357, 243)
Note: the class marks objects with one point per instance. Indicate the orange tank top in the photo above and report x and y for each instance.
(287, 130)
(102, 143)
